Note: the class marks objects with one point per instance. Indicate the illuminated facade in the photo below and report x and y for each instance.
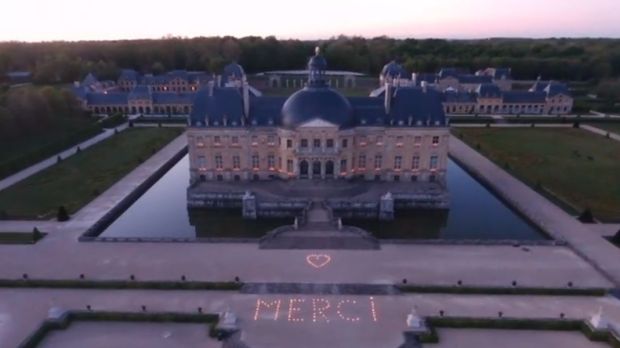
(398, 134)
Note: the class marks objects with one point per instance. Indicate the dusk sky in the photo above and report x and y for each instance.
(43, 20)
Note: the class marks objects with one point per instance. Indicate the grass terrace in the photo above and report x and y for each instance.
(574, 168)
(610, 127)
(75, 181)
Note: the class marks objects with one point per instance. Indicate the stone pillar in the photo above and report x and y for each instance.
(386, 207)
(249, 206)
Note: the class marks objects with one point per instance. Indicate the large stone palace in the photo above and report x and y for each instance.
(400, 134)
(488, 91)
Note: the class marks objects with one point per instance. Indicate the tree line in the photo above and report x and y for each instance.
(562, 59)
(31, 111)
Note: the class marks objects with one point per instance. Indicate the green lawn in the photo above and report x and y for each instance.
(33, 148)
(611, 127)
(78, 179)
(572, 166)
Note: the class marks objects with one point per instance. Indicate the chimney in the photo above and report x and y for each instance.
(211, 87)
(388, 97)
(246, 99)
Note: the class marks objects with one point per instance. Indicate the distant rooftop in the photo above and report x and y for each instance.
(305, 72)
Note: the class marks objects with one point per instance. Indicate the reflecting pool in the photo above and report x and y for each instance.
(475, 213)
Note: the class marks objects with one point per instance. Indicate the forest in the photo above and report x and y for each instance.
(562, 59)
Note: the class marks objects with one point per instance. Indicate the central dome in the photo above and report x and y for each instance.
(317, 102)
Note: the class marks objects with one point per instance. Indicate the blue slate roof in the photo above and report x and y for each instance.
(555, 88)
(172, 98)
(488, 90)
(551, 88)
(223, 108)
(140, 92)
(523, 97)
(410, 106)
(266, 111)
(419, 106)
(393, 70)
(458, 97)
(474, 79)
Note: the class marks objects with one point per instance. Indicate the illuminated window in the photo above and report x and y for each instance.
(236, 162)
(398, 161)
(219, 163)
(200, 142)
(378, 161)
(379, 140)
(415, 163)
(434, 161)
(255, 161)
(435, 140)
(271, 161)
(362, 162)
(289, 166)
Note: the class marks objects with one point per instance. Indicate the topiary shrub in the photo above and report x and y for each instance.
(62, 214)
(36, 234)
(616, 238)
(586, 216)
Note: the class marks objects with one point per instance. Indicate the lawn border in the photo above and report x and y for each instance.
(129, 284)
(64, 321)
(235, 285)
(609, 336)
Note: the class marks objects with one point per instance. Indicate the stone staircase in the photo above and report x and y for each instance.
(319, 231)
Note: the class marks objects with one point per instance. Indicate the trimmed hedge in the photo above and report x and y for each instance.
(119, 284)
(15, 164)
(62, 323)
(516, 324)
(113, 121)
(20, 237)
(568, 291)
(166, 120)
